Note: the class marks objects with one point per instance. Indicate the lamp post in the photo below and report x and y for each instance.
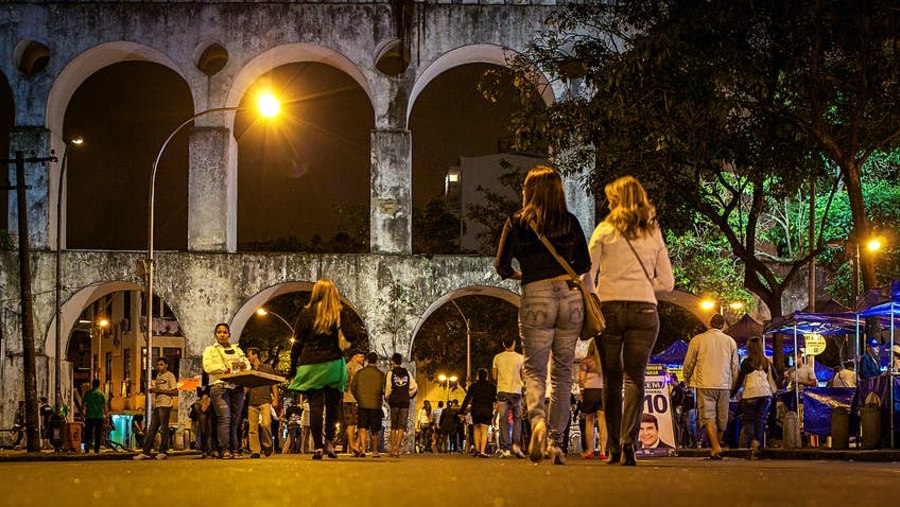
(268, 107)
(468, 343)
(443, 379)
(59, 186)
(262, 312)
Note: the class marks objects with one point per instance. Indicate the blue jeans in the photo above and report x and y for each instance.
(509, 401)
(625, 346)
(158, 423)
(228, 404)
(549, 323)
(753, 417)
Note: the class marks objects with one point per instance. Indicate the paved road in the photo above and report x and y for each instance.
(460, 481)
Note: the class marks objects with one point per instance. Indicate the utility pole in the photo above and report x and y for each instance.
(32, 428)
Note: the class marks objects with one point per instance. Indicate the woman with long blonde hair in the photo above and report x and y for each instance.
(631, 263)
(317, 363)
(552, 309)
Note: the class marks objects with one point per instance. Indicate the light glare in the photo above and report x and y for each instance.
(268, 105)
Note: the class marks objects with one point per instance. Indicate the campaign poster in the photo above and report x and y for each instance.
(656, 436)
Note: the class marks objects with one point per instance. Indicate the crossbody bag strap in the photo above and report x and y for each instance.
(562, 262)
(636, 256)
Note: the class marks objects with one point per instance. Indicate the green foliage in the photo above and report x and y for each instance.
(703, 264)
(494, 207)
(436, 230)
(352, 235)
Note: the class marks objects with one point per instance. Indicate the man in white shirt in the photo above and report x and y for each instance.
(507, 373)
(711, 366)
(163, 390)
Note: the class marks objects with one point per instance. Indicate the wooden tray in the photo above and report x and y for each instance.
(253, 378)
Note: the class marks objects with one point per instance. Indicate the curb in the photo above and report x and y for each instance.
(30, 457)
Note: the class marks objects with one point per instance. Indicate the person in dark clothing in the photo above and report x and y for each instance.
(483, 395)
(449, 425)
(400, 387)
(317, 364)
(19, 423)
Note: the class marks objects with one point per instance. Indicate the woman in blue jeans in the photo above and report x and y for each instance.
(631, 263)
(758, 385)
(552, 310)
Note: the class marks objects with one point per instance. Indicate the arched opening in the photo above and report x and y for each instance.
(103, 338)
(304, 183)
(271, 330)
(466, 176)
(440, 338)
(7, 120)
(31, 56)
(124, 112)
(212, 59)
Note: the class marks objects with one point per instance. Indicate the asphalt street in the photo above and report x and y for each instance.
(455, 480)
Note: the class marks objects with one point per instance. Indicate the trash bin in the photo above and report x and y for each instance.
(73, 436)
(840, 428)
(56, 431)
(870, 417)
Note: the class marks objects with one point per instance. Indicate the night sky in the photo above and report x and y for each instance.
(292, 171)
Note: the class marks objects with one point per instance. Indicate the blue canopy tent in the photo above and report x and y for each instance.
(888, 311)
(837, 321)
(675, 354)
(744, 329)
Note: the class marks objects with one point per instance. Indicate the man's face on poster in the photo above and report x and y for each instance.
(649, 434)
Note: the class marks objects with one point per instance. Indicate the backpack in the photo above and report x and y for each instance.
(756, 384)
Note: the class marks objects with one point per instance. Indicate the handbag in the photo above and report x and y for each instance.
(594, 323)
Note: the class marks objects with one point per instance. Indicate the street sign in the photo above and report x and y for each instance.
(815, 344)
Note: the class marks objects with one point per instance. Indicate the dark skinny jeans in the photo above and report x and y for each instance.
(754, 412)
(625, 346)
(228, 405)
(327, 400)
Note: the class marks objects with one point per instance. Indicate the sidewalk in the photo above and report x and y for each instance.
(873, 455)
(8, 456)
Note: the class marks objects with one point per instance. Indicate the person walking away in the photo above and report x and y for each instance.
(317, 364)
(400, 387)
(757, 385)
(506, 370)
(552, 309)
(227, 398)
(163, 390)
(437, 437)
(368, 387)
(354, 364)
(483, 396)
(629, 267)
(95, 413)
(711, 366)
(260, 401)
(591, 380)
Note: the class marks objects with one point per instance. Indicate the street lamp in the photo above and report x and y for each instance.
(468, 343)
(262, 312)
(268, 107)
(77, 141)
(443, 379)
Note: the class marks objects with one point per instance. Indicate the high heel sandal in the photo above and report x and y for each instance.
(628, 456)
(538, 438)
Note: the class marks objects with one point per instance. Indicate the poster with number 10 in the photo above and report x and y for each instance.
(656, 436)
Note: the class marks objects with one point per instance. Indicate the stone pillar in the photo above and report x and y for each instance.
(33, 141)
(212, 191)
(391, 192)
(580, 202)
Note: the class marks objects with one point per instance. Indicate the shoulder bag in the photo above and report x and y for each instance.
(594, 322)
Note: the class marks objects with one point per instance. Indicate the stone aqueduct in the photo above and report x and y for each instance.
(211, 282)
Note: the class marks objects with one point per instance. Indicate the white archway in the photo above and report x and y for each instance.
(64, 87)
(258, 300)
(472, 290)
(71, 309)
(476, 53)
(284, 55)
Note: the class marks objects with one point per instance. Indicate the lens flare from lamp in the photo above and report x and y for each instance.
(268, 105)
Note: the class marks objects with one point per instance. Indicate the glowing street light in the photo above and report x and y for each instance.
(268, 107)
(262, 312)
(707, 304)
(736, 306)
(443, 379)
(75, 141)
(874, 245)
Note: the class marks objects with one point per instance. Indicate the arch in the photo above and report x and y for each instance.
(688, 301)
(286, 54)
(71, 309)
(67, 83)
(476, 53)
(472, 290)
(249, 307)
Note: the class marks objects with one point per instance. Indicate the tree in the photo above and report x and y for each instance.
(495, 206)
(658, 101)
